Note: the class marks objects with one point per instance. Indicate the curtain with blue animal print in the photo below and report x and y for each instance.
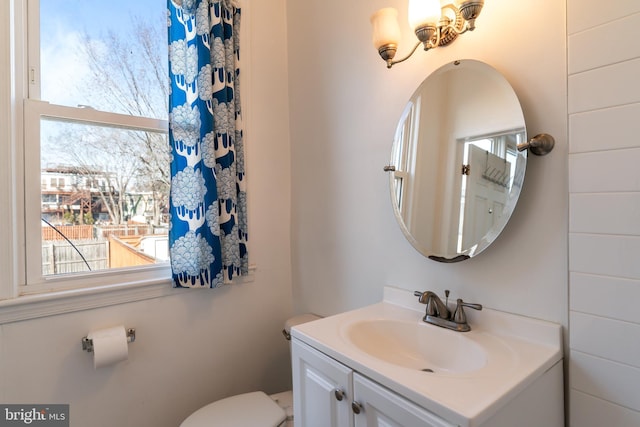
(208, 205)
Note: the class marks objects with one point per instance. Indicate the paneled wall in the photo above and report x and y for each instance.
(604, 213)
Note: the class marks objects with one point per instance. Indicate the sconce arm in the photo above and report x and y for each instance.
(453, 28)
(458, 25)
(391, 63)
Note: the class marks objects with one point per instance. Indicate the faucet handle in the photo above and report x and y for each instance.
(459, 315)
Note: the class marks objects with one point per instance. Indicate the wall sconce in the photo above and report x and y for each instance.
(435, 22)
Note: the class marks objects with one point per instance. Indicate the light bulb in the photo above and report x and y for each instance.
(422, 12)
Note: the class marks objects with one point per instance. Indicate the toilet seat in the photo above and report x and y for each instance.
(250, 409)
(254, 409)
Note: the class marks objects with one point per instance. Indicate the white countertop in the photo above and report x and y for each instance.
(519, 350)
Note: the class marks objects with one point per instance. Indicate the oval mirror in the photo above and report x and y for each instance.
(455, 170)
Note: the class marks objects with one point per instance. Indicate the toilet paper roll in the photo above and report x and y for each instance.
(109, 346)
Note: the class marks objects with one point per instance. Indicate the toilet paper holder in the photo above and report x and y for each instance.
(87, 343)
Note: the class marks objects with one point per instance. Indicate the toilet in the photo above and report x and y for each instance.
(254, 409)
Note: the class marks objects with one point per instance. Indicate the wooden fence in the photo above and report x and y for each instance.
(59, 257)
(92, 243)
(87, 232)
(104, 231)
(72, 232)
(124, 252)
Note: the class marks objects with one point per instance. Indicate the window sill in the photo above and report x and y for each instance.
(33, 306)
(59, 302)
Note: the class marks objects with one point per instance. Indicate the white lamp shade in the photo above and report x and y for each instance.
(423, 12)
(385, 27)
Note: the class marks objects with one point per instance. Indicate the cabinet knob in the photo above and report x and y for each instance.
(339, 394)
(356, 407)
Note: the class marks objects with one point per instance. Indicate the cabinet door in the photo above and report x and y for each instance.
(383, 408)
(322, 389)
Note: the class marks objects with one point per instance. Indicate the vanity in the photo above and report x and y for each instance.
(382, 365)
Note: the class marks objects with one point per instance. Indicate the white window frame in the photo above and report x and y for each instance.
(34, 112)
(24, 292)
(58, 295)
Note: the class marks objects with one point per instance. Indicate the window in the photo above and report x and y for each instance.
(96, 112)
(403, 157)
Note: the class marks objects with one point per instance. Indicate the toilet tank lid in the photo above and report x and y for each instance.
(254, 409)
(298, 320)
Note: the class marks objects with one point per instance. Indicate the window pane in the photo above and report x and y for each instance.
(107, 198)
(108, 55)
(104, 189)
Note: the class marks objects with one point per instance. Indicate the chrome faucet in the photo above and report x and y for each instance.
(437, 312)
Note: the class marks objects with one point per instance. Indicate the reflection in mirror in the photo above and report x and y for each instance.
(457, 170)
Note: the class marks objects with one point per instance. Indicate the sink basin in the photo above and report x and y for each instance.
(417, 345)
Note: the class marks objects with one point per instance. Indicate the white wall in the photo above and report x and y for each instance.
(345, 106)
(604, 239)
(199, 345)
(345, 244)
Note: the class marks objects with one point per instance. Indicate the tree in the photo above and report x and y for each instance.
(128, 76)
(102, 156)
(69, 217)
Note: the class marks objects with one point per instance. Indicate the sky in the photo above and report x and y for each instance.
(62, 25)
(95, 15)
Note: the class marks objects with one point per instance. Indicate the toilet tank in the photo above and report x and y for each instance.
(297, 320)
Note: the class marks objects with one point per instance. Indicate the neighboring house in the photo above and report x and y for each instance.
(67, 189)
